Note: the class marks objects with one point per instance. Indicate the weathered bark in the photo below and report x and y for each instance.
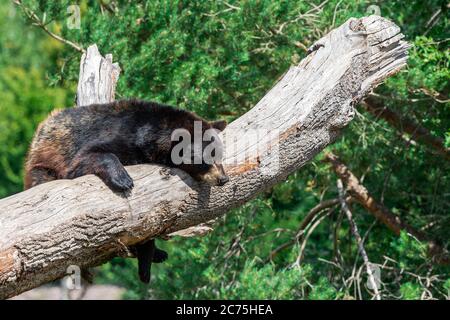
(360, 193)
(98, 78)
(81, 222)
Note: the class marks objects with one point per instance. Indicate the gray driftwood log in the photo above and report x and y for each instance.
(81, 222)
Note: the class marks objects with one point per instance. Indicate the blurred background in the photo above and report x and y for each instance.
(218, 58)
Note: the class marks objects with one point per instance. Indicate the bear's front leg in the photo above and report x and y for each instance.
(106, 166)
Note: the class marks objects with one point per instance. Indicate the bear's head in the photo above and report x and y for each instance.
(198, 150)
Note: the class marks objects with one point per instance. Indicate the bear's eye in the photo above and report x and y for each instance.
(203, 167)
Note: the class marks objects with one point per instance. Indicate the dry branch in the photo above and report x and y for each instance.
(41, 24)
(416, 131)
(359, 241)
(81, 222)
(360, 194)
(309, 218)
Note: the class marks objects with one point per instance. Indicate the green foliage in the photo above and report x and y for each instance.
(266, 283)
(27, 98)
(323, 290)
(218, 59)
(409, 250)
(123, 272)
(410, 291)
(447, 288)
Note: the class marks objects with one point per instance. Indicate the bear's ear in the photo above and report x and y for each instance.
(219, 125)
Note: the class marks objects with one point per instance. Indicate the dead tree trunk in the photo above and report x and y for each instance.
(98, 78)
(81, 222)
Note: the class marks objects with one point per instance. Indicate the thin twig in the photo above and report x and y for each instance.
(334, 14)
(357, 236)
(38, 22)
(322, 216)
(304, 224)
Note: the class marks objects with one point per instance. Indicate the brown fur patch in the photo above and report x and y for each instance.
(46, 152)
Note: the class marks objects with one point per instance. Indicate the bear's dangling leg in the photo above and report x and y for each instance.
(104, 165)
(145, 252)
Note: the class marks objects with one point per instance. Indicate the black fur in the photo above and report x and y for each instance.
(101, 139)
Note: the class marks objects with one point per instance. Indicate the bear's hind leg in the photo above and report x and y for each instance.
(159, 255)
(145, 253)
(104, 165)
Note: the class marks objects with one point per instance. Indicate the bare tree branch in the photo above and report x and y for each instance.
(310, 216)
(360, 194)
(39, 23)
(417, 132)
(355, 232)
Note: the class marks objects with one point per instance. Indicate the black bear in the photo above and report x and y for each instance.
(101, 139)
